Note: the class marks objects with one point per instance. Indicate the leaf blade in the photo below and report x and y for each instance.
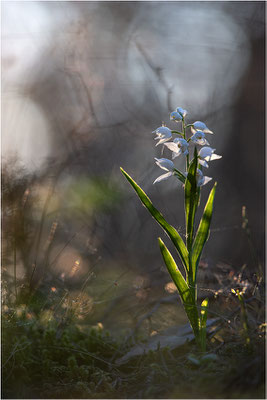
(179, 175)
(169, 229)
(202, 232)
(182, 286)
(191, 200)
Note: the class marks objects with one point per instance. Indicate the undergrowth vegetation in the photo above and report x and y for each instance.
(50, 361)
(55, 339)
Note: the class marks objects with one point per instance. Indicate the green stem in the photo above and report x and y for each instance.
(178, 133)
(244, 317)
(184, 135)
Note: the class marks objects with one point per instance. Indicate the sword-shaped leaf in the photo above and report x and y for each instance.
(179, 175)
(191, 200)
(182, 286)
(169, 229)
(202, 232)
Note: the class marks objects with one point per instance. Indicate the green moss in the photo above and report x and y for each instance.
(43, 362)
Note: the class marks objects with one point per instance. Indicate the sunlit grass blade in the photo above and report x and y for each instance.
(244, 316)
(203, 324)
(182, 286)
(191, 200)
(202, 232)
(169, 229)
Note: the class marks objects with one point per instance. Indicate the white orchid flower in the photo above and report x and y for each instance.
(207, 154)
(163, 134)
(201, 179)
(181, 111)
(199, 138)
(176, 116)
(167, 165)
(178, 146)
(200, 126)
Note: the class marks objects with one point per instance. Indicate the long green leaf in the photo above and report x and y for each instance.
(203, 324)
(179, 175)
(191, 200)
(169, 229)
(182, 286)
(202, 232)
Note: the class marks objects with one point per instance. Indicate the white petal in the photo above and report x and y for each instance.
(172, 146)
(203, 163)
(181, 111)
(199, 173)
(163, 177)
(165, 163)
(215, 157)
(198, 125)
(175, 116)
(164, 130)
(205, 152)
(162, 140)
(201, 142)
(206, 179)
(207, 130)
(174, 155)
(182, 141)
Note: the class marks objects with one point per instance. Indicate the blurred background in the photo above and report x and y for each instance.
(84, 84)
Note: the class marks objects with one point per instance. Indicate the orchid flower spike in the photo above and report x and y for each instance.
(199, 138)
(167, 165)
(207, 154)
(181, 111)
(163, 134)
(178, 146)
(200, 126)
(202, 180)
(176, 116)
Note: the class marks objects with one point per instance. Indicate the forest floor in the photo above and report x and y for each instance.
(47, 356)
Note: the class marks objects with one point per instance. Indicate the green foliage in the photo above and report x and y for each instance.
(182, 286)
(189, 254)
(191, 200)
(170, 230)
(202, 233)
(47, 362)
(36, 358)
(91, 194)
(244, 316)
(179, 175)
